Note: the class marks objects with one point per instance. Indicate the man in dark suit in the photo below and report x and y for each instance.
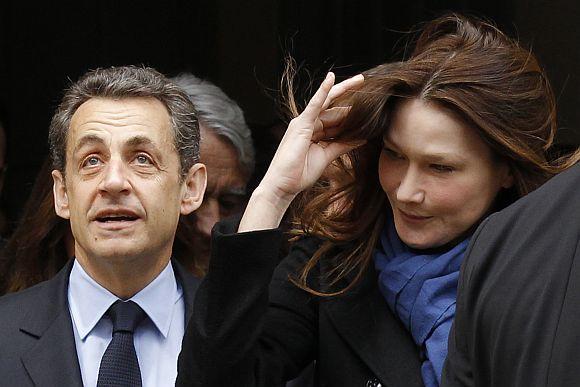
(124, 145)
(518, 309)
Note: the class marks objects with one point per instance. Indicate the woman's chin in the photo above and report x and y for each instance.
(423, 242)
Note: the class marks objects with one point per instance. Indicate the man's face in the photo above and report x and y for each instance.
(122, 191)
(226, 186)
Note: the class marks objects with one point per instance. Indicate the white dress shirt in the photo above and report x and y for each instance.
(157, 339)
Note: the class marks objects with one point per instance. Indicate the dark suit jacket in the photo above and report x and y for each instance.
(518, 309)
(253, 327)
(37, 345)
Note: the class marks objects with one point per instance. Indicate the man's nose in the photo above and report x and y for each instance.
(410, 188)
(115, 179)
(208, 214)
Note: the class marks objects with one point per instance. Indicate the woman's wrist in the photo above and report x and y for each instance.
(265, 209)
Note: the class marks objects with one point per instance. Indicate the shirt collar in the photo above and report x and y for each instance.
(153, 299)
(89, 301)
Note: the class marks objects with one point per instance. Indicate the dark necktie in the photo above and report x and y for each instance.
(119, 365)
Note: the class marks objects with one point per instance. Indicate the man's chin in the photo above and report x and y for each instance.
(116, 249)
(121, 256)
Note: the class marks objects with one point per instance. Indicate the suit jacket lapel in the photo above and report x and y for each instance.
(364, 320)
(189, 284)
(53, 360)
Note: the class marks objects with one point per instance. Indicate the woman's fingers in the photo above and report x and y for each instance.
(315, 106)
(335, 149)
(334, 116)
(316, 116)
(326, 134)
(327, 93)
(340, 88)
(328, 123)
(300, 142)
(327, 152)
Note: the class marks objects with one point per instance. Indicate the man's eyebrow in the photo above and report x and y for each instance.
(138, 141)
(89, 139)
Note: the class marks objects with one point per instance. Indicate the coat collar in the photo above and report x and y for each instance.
(53, 360)
(189, 284)
(364, 320)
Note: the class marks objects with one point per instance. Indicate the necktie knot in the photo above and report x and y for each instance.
(119, 364)
(126, 316)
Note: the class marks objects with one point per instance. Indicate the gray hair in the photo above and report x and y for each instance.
(128, 82)
(221, 114)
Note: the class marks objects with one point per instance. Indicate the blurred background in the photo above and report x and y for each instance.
(240, 46)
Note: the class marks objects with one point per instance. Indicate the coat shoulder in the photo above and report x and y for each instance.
(557, 198)
(15, 307)
(16, 311)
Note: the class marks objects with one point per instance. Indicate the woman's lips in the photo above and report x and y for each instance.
(412, 218)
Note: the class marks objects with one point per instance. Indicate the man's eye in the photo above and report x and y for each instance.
(442, 168)
(142, 159)
(91, 161)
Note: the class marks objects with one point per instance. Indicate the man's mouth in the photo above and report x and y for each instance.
(116, 219)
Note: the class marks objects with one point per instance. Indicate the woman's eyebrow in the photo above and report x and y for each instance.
(437, 156)
(444, 157)
(389, 143)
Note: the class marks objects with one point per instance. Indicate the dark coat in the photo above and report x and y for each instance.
(518, 311)
(253, 327)
(37, 345)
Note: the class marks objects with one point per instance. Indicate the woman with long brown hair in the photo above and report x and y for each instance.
(431, 146)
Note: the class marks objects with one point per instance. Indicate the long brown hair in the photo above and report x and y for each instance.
(36, 251)
(464, 64)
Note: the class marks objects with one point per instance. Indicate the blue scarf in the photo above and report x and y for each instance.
(421, 290)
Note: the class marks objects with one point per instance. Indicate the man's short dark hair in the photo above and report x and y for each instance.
(128, 82)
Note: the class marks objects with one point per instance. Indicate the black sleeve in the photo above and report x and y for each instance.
(457, 370)
(250, 325)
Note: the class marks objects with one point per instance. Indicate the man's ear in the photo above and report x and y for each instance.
(60, 195)
(194, 188)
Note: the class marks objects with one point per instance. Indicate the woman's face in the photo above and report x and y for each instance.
(439, 175)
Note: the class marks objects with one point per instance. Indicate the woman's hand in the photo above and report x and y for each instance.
(301, 157)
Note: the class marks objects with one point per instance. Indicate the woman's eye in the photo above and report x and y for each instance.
(392, 154)
(442, 168)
